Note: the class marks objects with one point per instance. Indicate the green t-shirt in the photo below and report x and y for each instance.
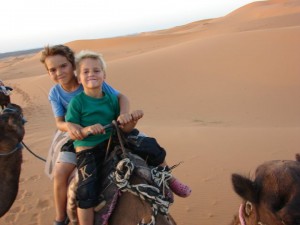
(86, 111)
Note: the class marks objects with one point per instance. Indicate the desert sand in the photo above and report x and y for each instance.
(221, 95)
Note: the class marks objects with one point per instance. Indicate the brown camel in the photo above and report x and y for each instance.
(129, 209)
(12, 133)
(273, 197)
(138, 211)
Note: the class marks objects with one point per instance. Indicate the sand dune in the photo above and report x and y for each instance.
(221, 95)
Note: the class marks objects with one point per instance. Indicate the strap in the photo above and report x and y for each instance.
(18, 147)
(120, 139)
(117, 128)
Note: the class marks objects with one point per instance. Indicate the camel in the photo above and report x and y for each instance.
(12, 133)
(123, 204)
(139, 211)
(272, 197)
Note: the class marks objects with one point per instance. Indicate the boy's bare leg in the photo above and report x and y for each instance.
(86, 216)
(61, 176)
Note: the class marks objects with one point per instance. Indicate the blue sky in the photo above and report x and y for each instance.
(27, 24)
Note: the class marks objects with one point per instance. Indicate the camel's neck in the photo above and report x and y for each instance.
(10, 168)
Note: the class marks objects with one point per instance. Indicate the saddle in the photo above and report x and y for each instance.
(111, 189)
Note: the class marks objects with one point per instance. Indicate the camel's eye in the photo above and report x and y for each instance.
(248, 208)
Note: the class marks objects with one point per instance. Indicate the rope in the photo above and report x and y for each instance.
(161, 176)
(19, 147)
(120, 177)
(147, 192)
(37, 156)
(115, 123)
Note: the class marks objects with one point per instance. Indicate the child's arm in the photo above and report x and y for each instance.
(99, 129)
(74, 130)
(124, 104)
(93, 129)
(135, 115)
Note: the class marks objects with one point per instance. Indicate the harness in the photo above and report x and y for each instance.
(149, 193)
(13, 110)
(5, 90)
(19, 146)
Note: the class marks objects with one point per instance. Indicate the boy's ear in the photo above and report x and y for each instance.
(104, 75)
(78, 78)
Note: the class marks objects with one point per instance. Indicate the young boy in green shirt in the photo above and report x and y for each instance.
(92, 110)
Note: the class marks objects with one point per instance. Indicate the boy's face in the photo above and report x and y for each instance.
(91, 74)
(59, 69)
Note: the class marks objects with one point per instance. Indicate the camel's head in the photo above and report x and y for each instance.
(272, 198)
(251, 210)
(12, 122)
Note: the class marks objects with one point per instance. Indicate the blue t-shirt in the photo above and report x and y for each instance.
(59, 98)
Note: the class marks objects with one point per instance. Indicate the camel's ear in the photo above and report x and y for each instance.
(245, 188)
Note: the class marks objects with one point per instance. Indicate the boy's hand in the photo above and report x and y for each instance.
(74, 131)
(137, 114)
(124, 118)
(94, 129)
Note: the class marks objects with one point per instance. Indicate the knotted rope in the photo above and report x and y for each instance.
(161, 176)
(123, 172)
(147, 192)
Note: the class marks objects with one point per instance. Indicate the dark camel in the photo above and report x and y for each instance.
(129, 209)
(273, 197)
(12, 133)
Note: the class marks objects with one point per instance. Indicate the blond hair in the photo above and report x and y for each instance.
(87, 54)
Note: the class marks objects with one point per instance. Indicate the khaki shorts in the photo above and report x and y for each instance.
(67, 157)
(59, 139)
